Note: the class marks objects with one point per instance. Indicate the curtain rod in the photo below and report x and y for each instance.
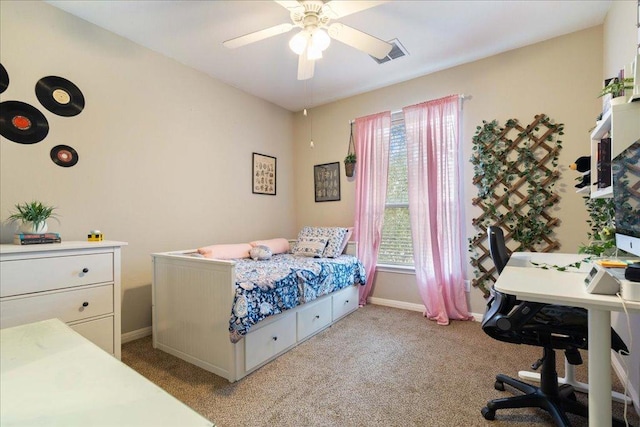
(462, 98)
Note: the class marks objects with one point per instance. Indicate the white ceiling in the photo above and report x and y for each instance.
(437, 35)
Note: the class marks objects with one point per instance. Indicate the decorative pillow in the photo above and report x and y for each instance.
(240, 250)
(334, 236)
(310, 247)
(260, 253)
(277, 246)
(347, 236)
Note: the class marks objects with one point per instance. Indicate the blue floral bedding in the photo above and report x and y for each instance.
(266, 288)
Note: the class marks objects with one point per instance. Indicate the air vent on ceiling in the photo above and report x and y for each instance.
(397, 51)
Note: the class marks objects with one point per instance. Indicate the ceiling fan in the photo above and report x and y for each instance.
(313, 16)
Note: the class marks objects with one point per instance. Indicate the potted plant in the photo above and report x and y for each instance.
(349, 164)
(33, 216)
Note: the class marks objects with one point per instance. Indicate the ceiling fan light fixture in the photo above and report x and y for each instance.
(313, 53)
(298, 43)
(320, 39)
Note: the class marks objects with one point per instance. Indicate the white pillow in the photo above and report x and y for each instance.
(277, 246)
(310, 247)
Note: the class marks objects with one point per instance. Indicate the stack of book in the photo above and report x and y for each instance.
(35, 238)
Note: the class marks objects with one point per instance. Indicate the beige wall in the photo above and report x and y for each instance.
(620, 47)
(559, 77)
(165, 151)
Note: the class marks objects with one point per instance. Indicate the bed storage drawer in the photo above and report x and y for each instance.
(67, 306)
(313, 317)
(264, 343)
(345, 301)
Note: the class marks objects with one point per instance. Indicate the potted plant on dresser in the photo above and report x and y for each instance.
(33, 216)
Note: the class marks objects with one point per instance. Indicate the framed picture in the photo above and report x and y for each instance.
(326, 179)
(264, 174)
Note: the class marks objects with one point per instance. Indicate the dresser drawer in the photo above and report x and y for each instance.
(99, 331)
(67, 306)
(313, 318)
(345, 301)
(42, 274)
(264, 343)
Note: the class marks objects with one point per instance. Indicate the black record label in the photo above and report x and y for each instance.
(63, 155)
(22, 123)
(59, 96)
(4, 79)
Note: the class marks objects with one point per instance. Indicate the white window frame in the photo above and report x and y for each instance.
(396, 268)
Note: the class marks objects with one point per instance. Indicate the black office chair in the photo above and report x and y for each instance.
(552, 327)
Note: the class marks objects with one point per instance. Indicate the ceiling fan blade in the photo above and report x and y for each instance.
(305, 67)
(257, 36)
(338, 8)
(290, 5)
(361, 41)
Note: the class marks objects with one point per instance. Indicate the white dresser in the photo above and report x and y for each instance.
(76, 282)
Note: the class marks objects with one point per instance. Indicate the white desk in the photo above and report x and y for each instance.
(529, 283)
(52, 376)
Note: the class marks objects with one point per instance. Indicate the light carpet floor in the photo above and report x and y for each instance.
(379, 366)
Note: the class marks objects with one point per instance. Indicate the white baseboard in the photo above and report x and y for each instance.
(137, 334)
(396, 304)
(620, 371)
(408, 306)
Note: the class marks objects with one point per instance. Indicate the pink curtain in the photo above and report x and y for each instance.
(435, 206)
(372, 155)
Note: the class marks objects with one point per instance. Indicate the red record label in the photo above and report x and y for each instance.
(21, 122)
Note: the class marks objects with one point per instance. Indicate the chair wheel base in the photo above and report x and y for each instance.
(498, 385)
(488, 414)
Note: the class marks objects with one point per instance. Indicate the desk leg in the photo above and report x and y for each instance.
(599, 367)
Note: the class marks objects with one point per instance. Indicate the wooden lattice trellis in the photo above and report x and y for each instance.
(515, 170)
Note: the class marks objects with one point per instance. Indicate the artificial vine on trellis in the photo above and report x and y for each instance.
(515, 170)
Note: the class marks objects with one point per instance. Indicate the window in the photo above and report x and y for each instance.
(396, 247)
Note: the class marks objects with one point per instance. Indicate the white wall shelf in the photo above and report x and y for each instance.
(621, 123)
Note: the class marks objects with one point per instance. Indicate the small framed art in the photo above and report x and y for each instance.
(326, 179)
(264, 174)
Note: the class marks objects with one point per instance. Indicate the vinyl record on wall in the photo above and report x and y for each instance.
(63, 155)
(22, 123)
(59, 96)
(4, 79)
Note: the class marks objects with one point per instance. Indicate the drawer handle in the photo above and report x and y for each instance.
(85, 304)
(317, 316)
(275, 338)
(85, 270)
(346, 302)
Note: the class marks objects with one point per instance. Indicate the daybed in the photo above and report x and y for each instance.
(198, 307)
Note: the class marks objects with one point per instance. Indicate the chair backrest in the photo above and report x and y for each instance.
(497, 247)
(510, 320)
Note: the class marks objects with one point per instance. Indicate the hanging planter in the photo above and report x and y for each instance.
(350, 159)
(350, 165)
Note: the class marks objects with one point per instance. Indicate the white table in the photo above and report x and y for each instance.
(52, 376)
(530, 283)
